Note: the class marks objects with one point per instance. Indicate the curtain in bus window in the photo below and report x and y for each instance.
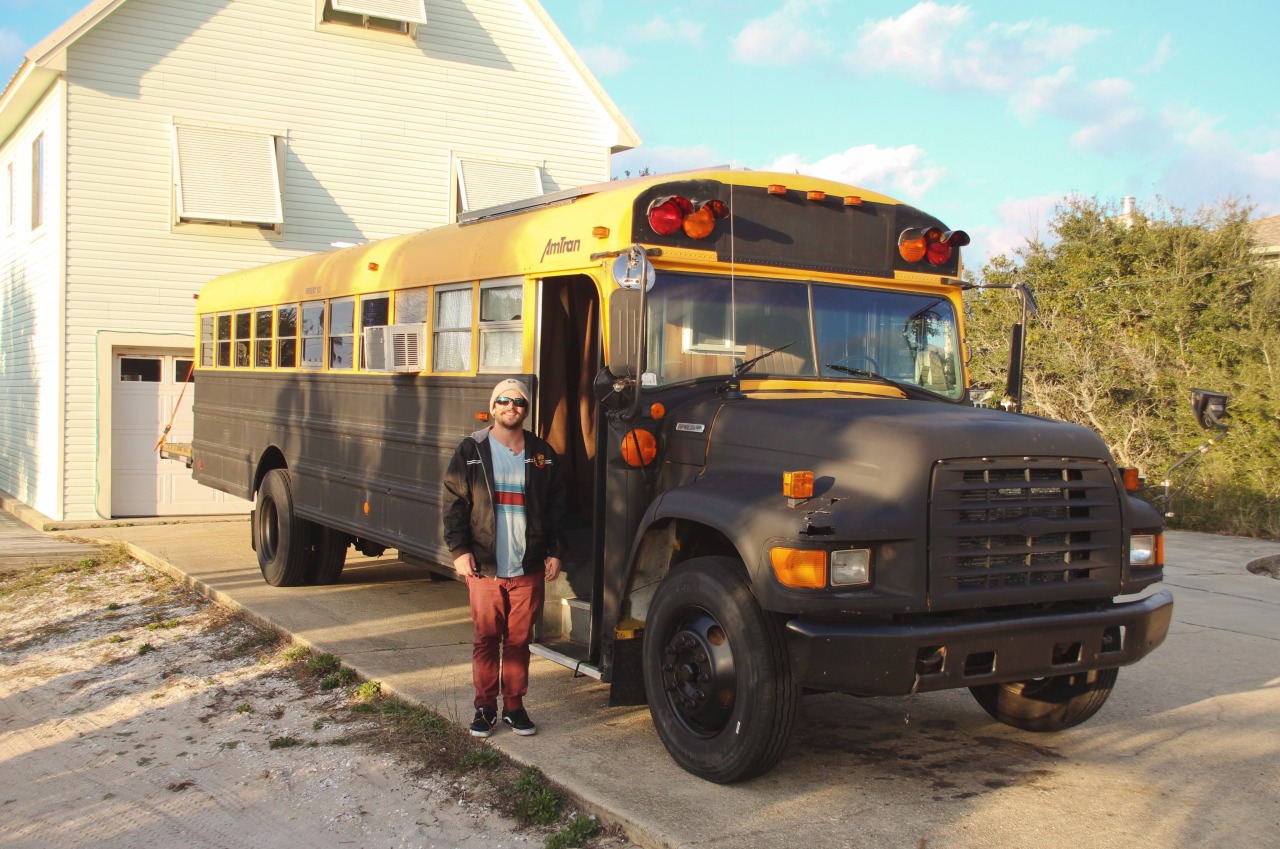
(412, 306)
(453, 330)
(774, 316)
(500, 327)
(206, 340)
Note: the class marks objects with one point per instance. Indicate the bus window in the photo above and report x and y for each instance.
(244, 320)
(206, 340)
(287, 336)
(313, 334)
(412, 305)
(342, 318)
(262, 338)
(500, 327)
(374, 312)
(224, 339)
(452, 349)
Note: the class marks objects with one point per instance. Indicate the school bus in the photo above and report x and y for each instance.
(757, 385)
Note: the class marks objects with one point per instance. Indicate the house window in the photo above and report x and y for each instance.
(500, 326)
(313, 334)
(287, 336)
(395, 16)
(228, 177)
(452, 348)
(482, 184)
(37, 182)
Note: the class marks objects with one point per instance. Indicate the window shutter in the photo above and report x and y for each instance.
(483, 184)
(409, 11)
(227, 175)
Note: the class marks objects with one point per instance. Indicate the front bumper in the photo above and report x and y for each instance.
(928, 653)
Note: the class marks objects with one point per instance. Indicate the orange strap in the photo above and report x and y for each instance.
(176, 407)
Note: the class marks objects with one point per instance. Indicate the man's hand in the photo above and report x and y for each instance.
(465, 564)
(553, 568)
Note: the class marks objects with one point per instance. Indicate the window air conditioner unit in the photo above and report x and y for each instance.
(395, 347)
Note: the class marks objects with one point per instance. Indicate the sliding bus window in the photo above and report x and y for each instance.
(244, 320)
(375, 311)
(452, 347)
(206, 340)
(413, 306)
(224, 339)
(313, 334)
(262, 337)
(501, 304)
(342, 324)
(287, 336)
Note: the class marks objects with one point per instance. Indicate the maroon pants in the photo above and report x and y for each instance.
(504, 611)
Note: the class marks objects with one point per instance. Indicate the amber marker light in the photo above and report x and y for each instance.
(777, 189)
(797, 567)
(639, 448)
(373, 266)
(817, 195)
(852, 200)
(657, 410)
(1132, 480)
(600, 232)
(797, 484)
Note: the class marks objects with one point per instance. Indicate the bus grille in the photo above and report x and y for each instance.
(1014, 530)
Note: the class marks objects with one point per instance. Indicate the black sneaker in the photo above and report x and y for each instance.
(484, 723)
(518, 721)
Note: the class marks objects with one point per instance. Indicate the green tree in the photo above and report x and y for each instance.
(1134, 312)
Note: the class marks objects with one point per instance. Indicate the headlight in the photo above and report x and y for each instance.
(1145, 550)
(849, 568)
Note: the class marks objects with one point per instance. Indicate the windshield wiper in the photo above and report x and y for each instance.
(908, 389)
(746, 366)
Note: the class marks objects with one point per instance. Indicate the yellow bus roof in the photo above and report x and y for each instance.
(544, 235)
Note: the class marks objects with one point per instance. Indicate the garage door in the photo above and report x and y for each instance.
(147, 386)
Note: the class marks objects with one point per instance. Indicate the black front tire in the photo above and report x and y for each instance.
(1047, 704)
(282, 540)
(716, 673)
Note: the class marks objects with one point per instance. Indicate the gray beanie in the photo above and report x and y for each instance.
(510, 386)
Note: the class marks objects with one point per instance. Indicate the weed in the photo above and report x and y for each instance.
(144, 761)
(323, 664)
(282, 742)
(369, 691)
(576, 834)
(296, 653)
(364, 707)
(113, 606)
(535, 802)
(245, 708)
(317, 725)
(260, 640)
(481, 757)
(146, 648)
(116, 638)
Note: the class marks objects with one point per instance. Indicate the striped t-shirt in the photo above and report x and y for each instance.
(508, 498)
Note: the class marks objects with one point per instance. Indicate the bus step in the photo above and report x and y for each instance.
(576, 619)
(567, 654)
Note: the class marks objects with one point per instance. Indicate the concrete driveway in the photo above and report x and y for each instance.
(1185, 753)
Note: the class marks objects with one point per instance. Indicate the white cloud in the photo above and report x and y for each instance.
(1162, 55)
(604, 60)
(788, 36)
(943, 47)
(663, 30)
(1019, 220)
(902, 171)
(12, 48)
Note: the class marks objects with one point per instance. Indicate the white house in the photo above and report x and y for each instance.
(148, 146)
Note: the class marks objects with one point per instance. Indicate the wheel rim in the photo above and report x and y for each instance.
(698, 674)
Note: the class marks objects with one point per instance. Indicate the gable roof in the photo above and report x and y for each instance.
(45, 63)
(1266, 234)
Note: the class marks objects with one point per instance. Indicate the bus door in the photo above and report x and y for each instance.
(568, 358)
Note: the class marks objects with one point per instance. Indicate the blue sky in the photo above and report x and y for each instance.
(985, 114)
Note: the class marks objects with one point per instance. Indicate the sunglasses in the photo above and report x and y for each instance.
(518, 403)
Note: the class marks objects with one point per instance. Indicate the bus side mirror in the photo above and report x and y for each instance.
(1210, 408)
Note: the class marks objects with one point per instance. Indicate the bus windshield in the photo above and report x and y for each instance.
(702, 326)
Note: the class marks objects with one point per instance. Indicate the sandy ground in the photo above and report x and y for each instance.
(134, 713)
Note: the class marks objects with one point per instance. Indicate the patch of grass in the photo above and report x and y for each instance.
(166, 624)
(116, 638)
(576, 833)
(535, 801)
(344, 676)
(296, 653)
(258, 641)
(245, 708)
(369, 691)
(283, 742)
(146, 648)
(323, 664)
(113, 606)
(480, 758)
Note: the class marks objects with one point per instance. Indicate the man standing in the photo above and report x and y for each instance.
(504, 507)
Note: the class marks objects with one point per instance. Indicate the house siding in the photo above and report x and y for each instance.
(372, 126)
(30, 316)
